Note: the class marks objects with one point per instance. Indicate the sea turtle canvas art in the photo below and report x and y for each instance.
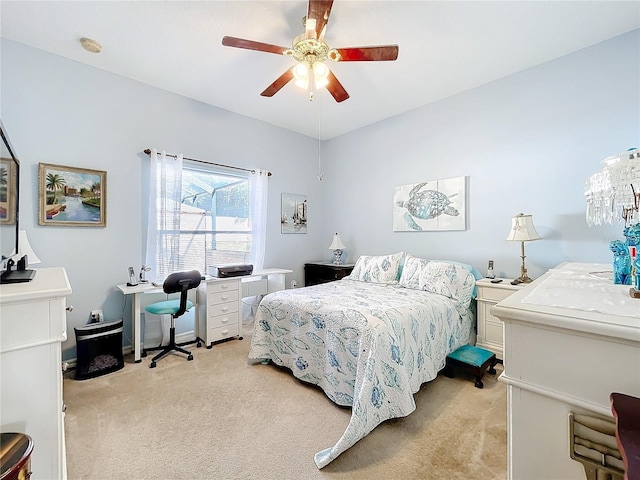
(432, 205)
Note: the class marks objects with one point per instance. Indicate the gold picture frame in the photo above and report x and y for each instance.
(8, 191)
(71, 196)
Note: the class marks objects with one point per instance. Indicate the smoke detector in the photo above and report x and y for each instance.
(90, 45)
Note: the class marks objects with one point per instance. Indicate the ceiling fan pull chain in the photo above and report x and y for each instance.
(320, 174)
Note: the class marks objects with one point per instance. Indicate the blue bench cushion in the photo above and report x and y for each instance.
(474, 356)
(168, 307)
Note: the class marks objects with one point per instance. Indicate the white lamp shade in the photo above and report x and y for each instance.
(24, 248)
(337, 243)
(522, 229)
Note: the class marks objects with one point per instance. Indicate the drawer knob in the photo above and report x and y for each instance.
(224, 309)
(224, 332)
(225, 320)
(224, 286)
(225, 297)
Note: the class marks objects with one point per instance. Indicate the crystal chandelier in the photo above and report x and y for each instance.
(614, 192)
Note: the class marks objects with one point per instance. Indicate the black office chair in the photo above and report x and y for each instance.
(176, 282)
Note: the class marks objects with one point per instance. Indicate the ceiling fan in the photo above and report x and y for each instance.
(311, 51)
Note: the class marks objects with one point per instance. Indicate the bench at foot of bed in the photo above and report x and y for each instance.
(472, 358)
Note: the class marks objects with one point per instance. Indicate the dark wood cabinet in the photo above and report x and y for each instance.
(315, 273)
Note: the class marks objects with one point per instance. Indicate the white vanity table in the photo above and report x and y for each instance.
(571, 339)
(32, 329)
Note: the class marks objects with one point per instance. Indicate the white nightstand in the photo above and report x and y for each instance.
(490, 328)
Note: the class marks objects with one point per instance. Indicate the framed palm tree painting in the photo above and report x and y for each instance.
(71, 196)
(8, 189)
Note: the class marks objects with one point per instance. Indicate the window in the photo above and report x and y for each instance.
(214, 222)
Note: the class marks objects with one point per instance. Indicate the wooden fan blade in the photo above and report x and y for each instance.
(251, 45)
(368, 54)
(336, 89)
(280, 82)
(318, 12)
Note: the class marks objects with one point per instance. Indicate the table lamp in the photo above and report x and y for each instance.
(24, 248)
(337, 246)
(522, 230)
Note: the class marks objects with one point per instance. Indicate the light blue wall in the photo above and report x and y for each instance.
(62, 112)
(526, 144)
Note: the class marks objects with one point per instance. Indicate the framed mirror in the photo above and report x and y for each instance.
(9, 198)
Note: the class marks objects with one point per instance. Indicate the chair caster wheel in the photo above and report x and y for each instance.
(199, 345)
(190, 357)
(144, 354)
(153, 365)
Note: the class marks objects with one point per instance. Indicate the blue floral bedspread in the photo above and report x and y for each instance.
(369, 346)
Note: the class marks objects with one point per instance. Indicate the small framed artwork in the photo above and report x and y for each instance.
(428, 206)
(293, 217)
(8, 191)
(71, 196)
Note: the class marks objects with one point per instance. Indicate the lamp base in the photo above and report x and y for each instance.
(337, 254)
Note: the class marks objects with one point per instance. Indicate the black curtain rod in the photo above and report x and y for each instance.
(148, 152)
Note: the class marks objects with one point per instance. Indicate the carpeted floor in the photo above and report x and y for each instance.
(219, 417)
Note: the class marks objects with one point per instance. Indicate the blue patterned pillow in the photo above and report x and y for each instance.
(449, 279)
(410, 276)
(377, 269)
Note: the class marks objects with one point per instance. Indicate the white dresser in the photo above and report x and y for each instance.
(490, 329)
(571, 339)
(32, 329)
(219, 309)
(220, 301)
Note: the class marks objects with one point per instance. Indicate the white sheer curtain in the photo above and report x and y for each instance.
(258, 186)
(163, 233)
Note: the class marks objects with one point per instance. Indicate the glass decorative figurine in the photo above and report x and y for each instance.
(621, 263)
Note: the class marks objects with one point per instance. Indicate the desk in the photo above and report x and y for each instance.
(274, 277)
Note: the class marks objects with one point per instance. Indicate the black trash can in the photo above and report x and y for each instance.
(99, 349)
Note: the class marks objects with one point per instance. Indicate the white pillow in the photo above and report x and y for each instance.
(410, 276)
(377, 269)
(448, 279)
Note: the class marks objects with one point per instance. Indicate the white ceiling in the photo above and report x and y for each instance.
(446, 47)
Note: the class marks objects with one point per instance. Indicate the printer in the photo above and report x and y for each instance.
(225, 271)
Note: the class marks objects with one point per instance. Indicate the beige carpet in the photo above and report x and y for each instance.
(219, 417)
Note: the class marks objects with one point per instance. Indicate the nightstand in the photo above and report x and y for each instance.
(319, 272)
(490, 328)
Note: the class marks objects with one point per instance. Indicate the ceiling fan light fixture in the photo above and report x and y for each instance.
(301, 74)
(310, 49)
(320, 74)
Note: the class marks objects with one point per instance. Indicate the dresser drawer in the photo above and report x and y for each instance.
(493, 331)
(223, 297)
(224, 320)
(225, 286)
(220, 333)
(215, 309)
(493, 294)
(485, 308)
(32, 323)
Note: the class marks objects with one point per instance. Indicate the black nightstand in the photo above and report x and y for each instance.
(319, 272)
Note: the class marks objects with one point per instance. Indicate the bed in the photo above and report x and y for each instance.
(371, 339)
